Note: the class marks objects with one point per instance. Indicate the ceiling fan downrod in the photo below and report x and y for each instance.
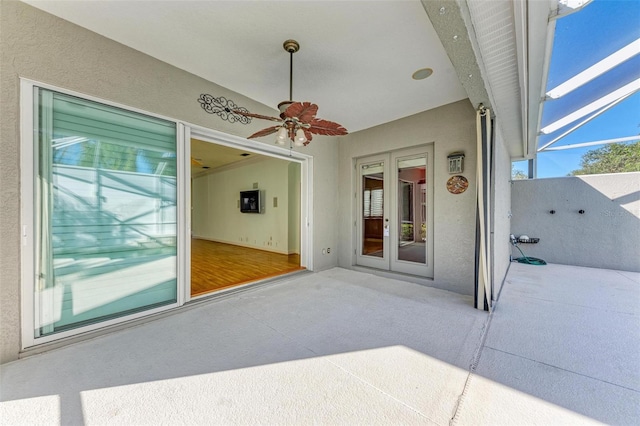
(292, 47)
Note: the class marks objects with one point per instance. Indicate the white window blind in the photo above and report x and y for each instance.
(372, 203)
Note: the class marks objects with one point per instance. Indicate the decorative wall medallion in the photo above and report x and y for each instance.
(223, 108)
(457, 184)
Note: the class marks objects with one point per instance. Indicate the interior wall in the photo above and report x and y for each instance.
(501, 210)
(605, 236)
(450, 128)
(294, 208)
(216, 213)
(42, 47)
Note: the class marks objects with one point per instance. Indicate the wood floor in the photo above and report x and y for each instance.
(215, 266)
(372, 247)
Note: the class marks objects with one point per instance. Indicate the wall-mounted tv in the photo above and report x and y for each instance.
(250, 201)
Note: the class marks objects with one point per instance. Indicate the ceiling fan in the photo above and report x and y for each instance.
(297, 122)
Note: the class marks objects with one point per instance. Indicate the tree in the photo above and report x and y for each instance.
(613, 158)
(517, 174)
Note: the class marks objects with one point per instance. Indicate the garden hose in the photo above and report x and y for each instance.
(524, 258)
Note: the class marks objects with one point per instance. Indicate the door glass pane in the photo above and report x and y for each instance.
(372, 209)
(412, 210)
(106, 220)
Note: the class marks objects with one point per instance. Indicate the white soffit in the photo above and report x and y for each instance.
(480, 39)
(494, 28)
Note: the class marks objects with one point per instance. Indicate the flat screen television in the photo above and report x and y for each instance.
(250, 201)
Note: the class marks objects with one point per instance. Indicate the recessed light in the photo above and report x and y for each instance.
(421, 74)
(244, 154)
(205, 167)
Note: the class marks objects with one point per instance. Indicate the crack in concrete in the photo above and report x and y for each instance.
(472, 368)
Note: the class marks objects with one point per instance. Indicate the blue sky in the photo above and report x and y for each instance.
(582, 39)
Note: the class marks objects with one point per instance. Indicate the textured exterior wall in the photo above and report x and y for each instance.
(450, 128)
(501, 217)
(607, 235)
(39, 46)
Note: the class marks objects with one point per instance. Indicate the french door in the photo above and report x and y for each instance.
(395, 211)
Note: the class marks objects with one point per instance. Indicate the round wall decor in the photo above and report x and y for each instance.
(457, 184)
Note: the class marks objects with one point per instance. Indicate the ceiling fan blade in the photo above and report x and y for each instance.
(327, 128)
(308, 135)
(262, 117)
(265, 132)
(305, 111)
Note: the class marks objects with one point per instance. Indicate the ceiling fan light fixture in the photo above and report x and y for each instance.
(300, 138)
(298, 121)
(282, 136)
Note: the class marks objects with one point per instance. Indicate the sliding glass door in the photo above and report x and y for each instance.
(105, 201)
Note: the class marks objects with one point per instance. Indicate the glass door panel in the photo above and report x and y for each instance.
(106, 213)
(412, 210)
(411, 218)
(395, 212)
(373, 224)
(372, 210)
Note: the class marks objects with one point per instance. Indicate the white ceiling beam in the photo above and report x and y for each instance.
(594, 143)
(583, 122)
(540, 35)
(632, 87)
(596, 70)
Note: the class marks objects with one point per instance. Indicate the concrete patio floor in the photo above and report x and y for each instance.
(344, 347)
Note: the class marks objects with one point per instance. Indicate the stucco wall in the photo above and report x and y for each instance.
(450, 128)
(501, 217)
(607, 235)
(39, 46)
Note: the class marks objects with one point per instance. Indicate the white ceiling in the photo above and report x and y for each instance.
(206, 156)
(356, 57)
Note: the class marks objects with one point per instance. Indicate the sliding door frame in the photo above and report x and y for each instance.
(306, 193)
(184, 132)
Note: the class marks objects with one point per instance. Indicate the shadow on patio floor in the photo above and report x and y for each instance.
(346, 347)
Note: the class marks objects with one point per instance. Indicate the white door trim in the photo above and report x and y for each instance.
(306, 189)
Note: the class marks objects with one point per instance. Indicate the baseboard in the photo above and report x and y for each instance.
(241, 244)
